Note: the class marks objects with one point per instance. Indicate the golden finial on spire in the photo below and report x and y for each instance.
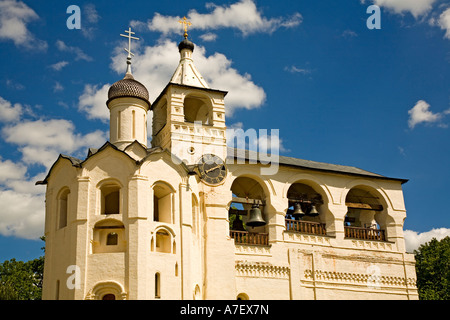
(185, 24)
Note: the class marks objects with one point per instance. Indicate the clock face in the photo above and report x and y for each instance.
(212, 169)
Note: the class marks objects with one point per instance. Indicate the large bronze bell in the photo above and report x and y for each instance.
(255, 218)
(298, 212)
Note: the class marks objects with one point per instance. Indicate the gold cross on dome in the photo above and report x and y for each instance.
(185, 24)
(129, 36)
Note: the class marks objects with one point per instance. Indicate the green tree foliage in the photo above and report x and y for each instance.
(433, 270)
(21, 280)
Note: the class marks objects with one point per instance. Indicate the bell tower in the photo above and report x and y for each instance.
(189, 116)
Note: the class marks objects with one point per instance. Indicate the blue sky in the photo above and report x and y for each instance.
(339, 93)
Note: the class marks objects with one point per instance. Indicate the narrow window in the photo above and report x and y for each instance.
(63, 208)
(119, 124)
(57, 290)
(157, 286)
(134, 125)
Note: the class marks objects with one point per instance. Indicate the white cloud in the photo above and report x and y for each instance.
(444, 22)
(42, 141)
(421, 113)
(9, 112)
(93, 101)
(59, 65)
(154, 67)
(79, 54)
(414, 239)
(295, 69)
(22, 214)
(14, 18)
(11, 171)
(14, 85)
(415, 7)
(91, 17)
(242, 15)
(90, 13)
(58, 87)
(209, 36)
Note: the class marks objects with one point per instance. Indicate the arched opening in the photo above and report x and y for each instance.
(304, 210)
(63, 207)
(248, 224)
(364, 218)
(110, 198)
(163, 241)
(242, 296)
(109, 290)
(108, 237)
(197, 109)
(162, 203)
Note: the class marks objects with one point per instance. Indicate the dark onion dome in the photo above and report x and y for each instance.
(186, 44)
(128, 87)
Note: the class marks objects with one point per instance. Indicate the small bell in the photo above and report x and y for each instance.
(298, 212)
(237, 224)
(313, 212)
(255, 217)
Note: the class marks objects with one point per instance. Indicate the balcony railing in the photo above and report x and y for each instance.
(307, 227)
(365, 233)
(244, 237)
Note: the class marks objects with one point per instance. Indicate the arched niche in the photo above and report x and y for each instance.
(163, 241)
(198, 108)
(108, 290)
(163, 205)
(110, 197)
(366, 216)
(248, 192)
(108, 237)
(62, 207)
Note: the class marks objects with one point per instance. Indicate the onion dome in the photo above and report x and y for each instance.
(128, 87)
(186, 44)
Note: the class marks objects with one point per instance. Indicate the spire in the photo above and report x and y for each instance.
(187, 73)
(129, 36)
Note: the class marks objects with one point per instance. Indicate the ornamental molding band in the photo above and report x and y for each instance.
(261, 270)
(359, 278)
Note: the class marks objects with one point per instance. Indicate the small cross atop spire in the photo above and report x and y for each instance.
(186, 24)
(129, 36)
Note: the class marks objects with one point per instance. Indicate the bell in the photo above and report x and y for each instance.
(255, 217)
(298, 212)
(313, 212)
(237, 224)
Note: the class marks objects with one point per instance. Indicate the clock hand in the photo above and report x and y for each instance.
(212, 169)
